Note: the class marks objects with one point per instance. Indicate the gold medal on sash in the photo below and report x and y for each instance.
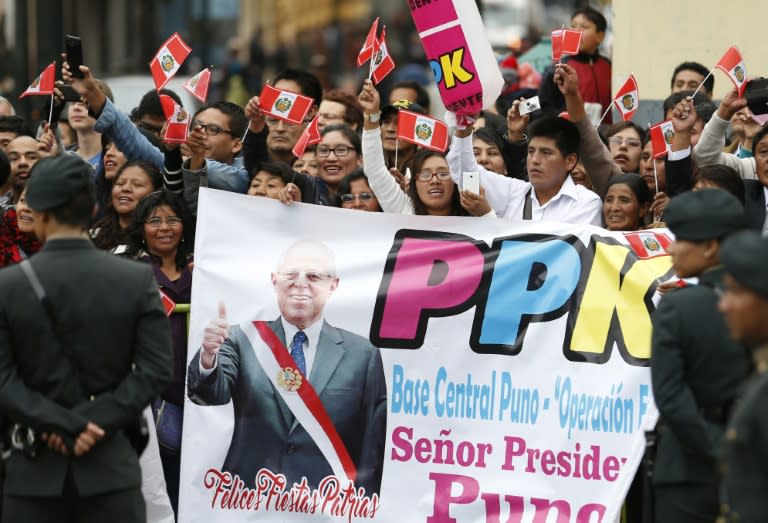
(289, 379)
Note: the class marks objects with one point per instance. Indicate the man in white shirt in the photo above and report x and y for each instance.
(550, 195)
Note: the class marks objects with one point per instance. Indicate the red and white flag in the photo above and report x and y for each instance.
(732, 64)
(198, 84)
(627, 100)
(383, 64)
(647, 244)
(178, 120)
(370, 42)
(43, 84)
(422, 130)
(168, 303)
(168, 60)
(284, 105)
(310, 135)
(565, 41)
(661, 138)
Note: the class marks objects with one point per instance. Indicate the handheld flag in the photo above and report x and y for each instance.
(284, 105)
(732, 64)
(43, 84)
(310, 135)
(168, 303)
(422, 130)
(168, 60)
(178, 120)
(366, 52)
(661, 138)
(565, 41)
(627, 99)
(647, 244)
(198, 84)
(383, 64)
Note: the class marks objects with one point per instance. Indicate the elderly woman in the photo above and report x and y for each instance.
(626, 203)
(161, 234)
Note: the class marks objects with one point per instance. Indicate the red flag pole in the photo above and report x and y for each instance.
(702, 83)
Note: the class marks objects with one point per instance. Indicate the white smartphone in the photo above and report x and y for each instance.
(529, 105)
(471, 182)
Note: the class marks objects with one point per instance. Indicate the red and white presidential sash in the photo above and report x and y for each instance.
(300, 397)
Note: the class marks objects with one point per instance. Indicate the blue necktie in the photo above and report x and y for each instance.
(297, 351)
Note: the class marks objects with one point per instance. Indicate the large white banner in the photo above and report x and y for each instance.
(515, 358)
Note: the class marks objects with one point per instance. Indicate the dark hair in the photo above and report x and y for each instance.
(635, 182)
(724, 177)
(594, 16)
(703, 105)
(620, 126)
(348, 133)
(237, 119)
(110, 234)
(5, 168)
(307, 82)
(345, 186)
(759, 136)
(415, 163)
(708, 84)
(14, 124)
(422, 96)
(77, 210)
(353, 111)
(562, 131)
(150, 104)
(144, 210)
(279, 169)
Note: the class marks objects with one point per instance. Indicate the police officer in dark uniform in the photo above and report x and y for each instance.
(696, 369)
(78, 366)
(745, 307)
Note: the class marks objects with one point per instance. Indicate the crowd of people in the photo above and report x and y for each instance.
(552, 165)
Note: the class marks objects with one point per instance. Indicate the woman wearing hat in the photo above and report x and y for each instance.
(745, 307)
(696, 368)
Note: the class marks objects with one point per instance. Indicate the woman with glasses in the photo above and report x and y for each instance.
(625, 141)
(355, 193)
(134, 181)
(431, 189)
(338, 154)
(162, 235)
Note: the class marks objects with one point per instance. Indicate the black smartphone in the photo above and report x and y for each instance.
(70, 95)
(74, 49)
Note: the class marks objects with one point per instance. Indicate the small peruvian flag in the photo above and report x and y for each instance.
(168, 60)
(178, 120)
(198, 84)
(168, 303)
(383, 64)
(370, 41)
(648, 244)
(627, 100)
(565, 41)
(284, 105)
(422, 130)
(310, 135)
(661, 138)
(43, 84)
(732, 64)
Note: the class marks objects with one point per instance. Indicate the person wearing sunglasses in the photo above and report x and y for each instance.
(355, 193)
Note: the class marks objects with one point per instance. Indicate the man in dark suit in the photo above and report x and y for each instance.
(696, 368)
(344, 369)
(71, 385)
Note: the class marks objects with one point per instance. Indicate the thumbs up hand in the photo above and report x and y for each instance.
(213, 336)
